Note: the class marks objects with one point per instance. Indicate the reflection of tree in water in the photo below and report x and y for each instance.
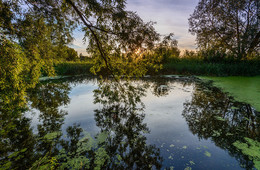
(47, 98)
(120, 144)
(121, 115)
(212, 114)
(162, 86)
(17, 140)
(15, 131)
(18, 143)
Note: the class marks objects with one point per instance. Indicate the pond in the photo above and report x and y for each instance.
(153, 123)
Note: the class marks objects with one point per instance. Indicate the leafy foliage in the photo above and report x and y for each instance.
(13, 65)
(167, 49)
(227, 26)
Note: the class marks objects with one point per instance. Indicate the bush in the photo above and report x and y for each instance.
(72, 68)
(200, 67)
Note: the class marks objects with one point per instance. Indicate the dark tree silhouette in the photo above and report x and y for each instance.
(227, 25)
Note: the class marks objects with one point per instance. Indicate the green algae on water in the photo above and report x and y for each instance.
(207, 154)
(251, 148)
(219, 118)
(171, 146)
(191, 163)
(243, 89)
(184, 147)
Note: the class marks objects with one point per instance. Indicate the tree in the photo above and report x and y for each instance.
(167, 48)
(107, 25)
(227, 25)
(72, 54)
(39, 29)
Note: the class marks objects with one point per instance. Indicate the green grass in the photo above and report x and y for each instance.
(72, 68)
(200, 67)
(181, 66)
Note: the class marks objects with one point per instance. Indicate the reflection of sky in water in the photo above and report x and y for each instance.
(169, 130)
(81, 107)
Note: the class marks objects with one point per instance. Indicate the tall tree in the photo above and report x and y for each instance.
(37, 28)
(227, 25)
(107, 25)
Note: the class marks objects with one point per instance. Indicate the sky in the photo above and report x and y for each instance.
(171, 16)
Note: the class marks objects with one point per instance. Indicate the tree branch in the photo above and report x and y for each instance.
(99, 45)
(254, 43)
(223, 40)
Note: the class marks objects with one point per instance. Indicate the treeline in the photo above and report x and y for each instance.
(34, 35)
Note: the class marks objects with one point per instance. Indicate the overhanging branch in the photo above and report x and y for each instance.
(99, 45)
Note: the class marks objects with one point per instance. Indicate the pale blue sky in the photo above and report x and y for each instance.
(170, 15)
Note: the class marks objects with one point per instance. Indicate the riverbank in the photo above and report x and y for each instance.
(180, 67)
(72, 68)
(202, 68)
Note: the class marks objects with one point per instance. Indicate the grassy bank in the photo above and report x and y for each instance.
(72, 68)
(177, 66)
(200, 67)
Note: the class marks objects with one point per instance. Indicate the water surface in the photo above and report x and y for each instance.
(142, 124)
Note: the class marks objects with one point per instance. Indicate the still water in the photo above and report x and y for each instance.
(162, 123)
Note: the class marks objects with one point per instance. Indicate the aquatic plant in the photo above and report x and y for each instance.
(251, 148)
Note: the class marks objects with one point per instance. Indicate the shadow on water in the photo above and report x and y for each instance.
(121, 142)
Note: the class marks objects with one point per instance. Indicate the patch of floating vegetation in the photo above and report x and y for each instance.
(219, 118)
(251, 148)
(188, 168)
(191, 163)
(206, 153)
(243, 89)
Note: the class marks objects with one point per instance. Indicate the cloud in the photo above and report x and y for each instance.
(74, 46)
(170, 15)
(78, 43)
